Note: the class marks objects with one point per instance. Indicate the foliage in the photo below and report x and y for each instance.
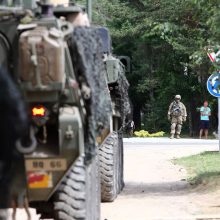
(201, 166)
(143, 133)
(166, 41)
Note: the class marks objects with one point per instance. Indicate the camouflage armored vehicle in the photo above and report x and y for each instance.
(111, 147)
(59, 69)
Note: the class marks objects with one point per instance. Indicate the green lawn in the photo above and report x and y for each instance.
(201, 167)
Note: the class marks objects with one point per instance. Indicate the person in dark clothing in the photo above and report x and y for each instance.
(13, 124)
(129, 127)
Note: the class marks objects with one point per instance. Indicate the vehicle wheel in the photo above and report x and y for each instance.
(121, 162)
(93, 178)
(70, 198)
(108, 157)
(74, 199)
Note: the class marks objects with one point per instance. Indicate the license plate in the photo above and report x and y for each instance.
(46, 164)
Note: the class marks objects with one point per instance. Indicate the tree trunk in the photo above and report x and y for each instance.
(194, 117)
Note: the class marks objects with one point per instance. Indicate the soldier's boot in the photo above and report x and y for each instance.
(178, 130)
(172, 128)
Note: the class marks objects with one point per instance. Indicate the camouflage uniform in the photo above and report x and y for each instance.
(177, 114)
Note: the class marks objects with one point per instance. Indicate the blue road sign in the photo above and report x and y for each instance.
(213, 85)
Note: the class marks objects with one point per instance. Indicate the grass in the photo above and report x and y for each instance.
(201, 167)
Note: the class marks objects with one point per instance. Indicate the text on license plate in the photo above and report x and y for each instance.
(46, 164)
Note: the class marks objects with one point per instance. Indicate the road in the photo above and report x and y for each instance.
(155, 188)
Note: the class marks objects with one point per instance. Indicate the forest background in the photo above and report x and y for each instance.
(166, 41)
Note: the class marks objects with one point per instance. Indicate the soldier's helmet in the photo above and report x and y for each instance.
(177, 96)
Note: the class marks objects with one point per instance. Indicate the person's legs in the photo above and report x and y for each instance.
(14, 209)
(26, 206)
(5, 183)
(202, 128)
(173, 127)
(178, 130)
(131, 132)
(126, 132)
(200, 133)
(206, 129)
(179, 126)
(206, 133)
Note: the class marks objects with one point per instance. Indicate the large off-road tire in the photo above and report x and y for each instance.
(93, 180)
(121, 162)
(77, 197)
(109, 167)
(70, 198)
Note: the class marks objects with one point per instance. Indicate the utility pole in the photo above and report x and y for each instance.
(89, 9)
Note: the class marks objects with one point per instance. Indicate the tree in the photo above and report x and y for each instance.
(166, 41)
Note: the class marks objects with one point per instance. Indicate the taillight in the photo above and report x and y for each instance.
(40, 115)
(39, 111)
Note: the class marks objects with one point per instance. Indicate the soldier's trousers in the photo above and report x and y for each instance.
(176, 124)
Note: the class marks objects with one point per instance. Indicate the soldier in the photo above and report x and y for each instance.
(13, 124)
(177, 114)
(129, 127)
(78, 18)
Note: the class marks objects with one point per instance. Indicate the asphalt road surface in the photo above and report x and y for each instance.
(154, 187)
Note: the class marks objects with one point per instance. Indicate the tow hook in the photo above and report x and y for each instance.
(32, 143)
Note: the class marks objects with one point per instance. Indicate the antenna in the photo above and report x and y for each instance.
(89, 9)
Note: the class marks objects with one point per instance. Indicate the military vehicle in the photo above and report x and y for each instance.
(111, 147)
(59, 69)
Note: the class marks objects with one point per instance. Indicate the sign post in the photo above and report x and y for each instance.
(213, 83)
(213, 86)
(219, 122)
(89, 9)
